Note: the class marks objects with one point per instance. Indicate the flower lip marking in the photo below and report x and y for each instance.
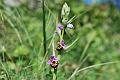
(61, 45)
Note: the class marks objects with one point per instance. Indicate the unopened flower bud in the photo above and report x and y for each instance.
(70, 26)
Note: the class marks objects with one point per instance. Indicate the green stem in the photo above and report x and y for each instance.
(44, 27)
(63, 33)
(53, 48)
(55, 74)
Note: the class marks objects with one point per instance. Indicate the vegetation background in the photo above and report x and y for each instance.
(21, 41)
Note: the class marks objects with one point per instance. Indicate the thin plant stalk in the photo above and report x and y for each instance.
(55, 74)
(53, 48)
(93, 66)
(54, 70)
(44, 27)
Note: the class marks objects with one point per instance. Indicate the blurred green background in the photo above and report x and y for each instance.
(21, 40)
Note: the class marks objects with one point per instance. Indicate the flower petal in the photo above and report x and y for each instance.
(60, 26)
(70, 26)
(49, 62)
